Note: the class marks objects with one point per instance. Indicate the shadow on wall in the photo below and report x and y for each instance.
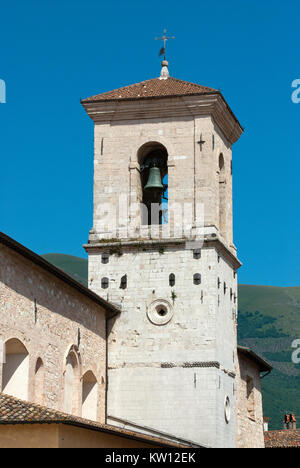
(80, 395)
(15, 370)
(89, 396)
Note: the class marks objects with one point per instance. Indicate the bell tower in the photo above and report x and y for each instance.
(161, 247)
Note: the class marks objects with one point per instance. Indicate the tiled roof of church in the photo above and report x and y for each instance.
(15, 411)
(282, 439)
(154, 88)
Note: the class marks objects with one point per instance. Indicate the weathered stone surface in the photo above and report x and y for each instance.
(155, 379)
(249, 423)
(194, 175)
(201, 327)
(46, 314)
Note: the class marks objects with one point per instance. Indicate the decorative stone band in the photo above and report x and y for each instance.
(171, 365)
(168, 365)
(229, 373)
(209, 103)
(217, 365)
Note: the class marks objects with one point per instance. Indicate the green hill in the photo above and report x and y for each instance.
(269, 321)
(73, 266)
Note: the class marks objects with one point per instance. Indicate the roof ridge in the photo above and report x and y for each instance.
(197, 85)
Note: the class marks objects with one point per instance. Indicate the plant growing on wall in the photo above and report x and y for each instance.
(173, 296)
(117, 250)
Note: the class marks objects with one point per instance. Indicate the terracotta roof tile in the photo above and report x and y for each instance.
(282, 439)
(15, 411)
(152, 89)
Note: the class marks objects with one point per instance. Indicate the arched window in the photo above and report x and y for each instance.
(153, 160)
(71, 382)
(15, 370)
(39, 382)
(222, 194)
(89, 396)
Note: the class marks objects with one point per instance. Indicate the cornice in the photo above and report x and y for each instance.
(209, 242)
(212, 104)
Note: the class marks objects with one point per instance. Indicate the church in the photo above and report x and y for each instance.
(147, 354)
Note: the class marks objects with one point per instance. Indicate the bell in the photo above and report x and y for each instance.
(154, 181)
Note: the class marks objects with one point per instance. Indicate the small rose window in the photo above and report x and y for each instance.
(160, 312)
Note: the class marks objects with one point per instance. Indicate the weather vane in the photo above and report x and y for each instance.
(164, 38)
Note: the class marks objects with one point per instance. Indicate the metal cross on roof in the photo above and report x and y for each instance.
(164, 38)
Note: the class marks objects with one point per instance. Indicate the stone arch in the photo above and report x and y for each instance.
(89, 396)
(148, 147)
(39, 382)
(152, 157)
(15, 369)
(71, 381)
(159, 140)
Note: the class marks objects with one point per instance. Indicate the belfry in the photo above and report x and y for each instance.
(161, 248)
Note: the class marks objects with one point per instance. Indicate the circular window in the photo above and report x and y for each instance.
(227, 410)
(160, 312)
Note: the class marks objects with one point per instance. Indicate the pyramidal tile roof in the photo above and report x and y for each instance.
(154, 88)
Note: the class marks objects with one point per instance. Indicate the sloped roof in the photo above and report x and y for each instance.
(282, 439)
(154, 88)
(41, 262)
(15, 411)
(264, 366)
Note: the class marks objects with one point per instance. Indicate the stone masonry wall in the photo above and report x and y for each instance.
(164, 376)
(249, 427)
(172, 351)
(61, 312)
(193, 172)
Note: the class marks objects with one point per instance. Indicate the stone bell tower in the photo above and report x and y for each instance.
(167, 143)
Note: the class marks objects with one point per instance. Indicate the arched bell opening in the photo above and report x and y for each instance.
(153, 160)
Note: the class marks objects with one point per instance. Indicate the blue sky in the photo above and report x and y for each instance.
(54, 53)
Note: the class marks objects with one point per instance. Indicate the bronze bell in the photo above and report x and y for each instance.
(154, 180)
